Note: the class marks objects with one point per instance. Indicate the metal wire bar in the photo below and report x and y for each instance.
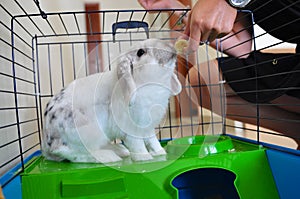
(129, 20)
(261, 104)
(13, 176)
(49, 69)
(95, 41)
(170, 122)
(90, 23)
(167, 20)
(97, 57)
(63, 23)
(19, 37)
(21, 7)
(17, 49)
(10, 160)
(9, 29)
(185, 11)
(155, 19)
(262, 131)
(264, 76)
(16, 96)
(16, 140)
(77, 25)
(36, 89)
(189, 94)
(274, 13)
(73, 62)
(103, 22)
(20, 108)
(85, 60)
(30, 148)
(8, 125)
(54, 32)
(200, 92)
(264, 118)
(182, 125)
(40, 114)
(257, 64)
(16, 63)
(61, 65)
(12, 17)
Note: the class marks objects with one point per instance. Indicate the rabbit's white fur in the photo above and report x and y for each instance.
(125, 103)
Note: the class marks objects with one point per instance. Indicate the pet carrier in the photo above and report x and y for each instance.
(209, 155)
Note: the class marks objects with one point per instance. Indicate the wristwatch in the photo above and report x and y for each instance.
(238, 3)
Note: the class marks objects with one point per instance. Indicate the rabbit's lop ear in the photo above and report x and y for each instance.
(175, 85)
(126, 82)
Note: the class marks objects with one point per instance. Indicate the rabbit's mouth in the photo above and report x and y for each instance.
(171, 62)
(167, 57)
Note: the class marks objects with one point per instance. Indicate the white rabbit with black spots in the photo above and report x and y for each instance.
(126, 103)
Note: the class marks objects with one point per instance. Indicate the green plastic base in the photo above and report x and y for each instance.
(53, 180)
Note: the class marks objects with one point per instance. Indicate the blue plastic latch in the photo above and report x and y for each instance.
(129, 25)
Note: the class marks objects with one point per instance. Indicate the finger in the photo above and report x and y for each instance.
(194, 40)
(183, 36)
(193, 35)
(143, 3)
(187, 27)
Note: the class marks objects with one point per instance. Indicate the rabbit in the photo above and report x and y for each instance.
(126, 103)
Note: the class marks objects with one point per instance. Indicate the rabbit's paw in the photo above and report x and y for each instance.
(141, 156)
(105, 156)
(159, 152)
(121, 150)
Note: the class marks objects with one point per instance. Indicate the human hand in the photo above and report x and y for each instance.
(209, 20)
(160, 4)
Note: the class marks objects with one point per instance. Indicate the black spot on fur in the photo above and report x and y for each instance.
(50, 108)
(47, 108)
(59, 96)
(69, 115)
(50, 141)
(52, 117)
(56, 98)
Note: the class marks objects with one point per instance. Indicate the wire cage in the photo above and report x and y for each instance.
(43, 52)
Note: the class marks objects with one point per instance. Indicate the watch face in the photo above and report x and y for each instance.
(239, 3)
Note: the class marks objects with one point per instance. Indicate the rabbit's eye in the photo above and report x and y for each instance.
(140, 52)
